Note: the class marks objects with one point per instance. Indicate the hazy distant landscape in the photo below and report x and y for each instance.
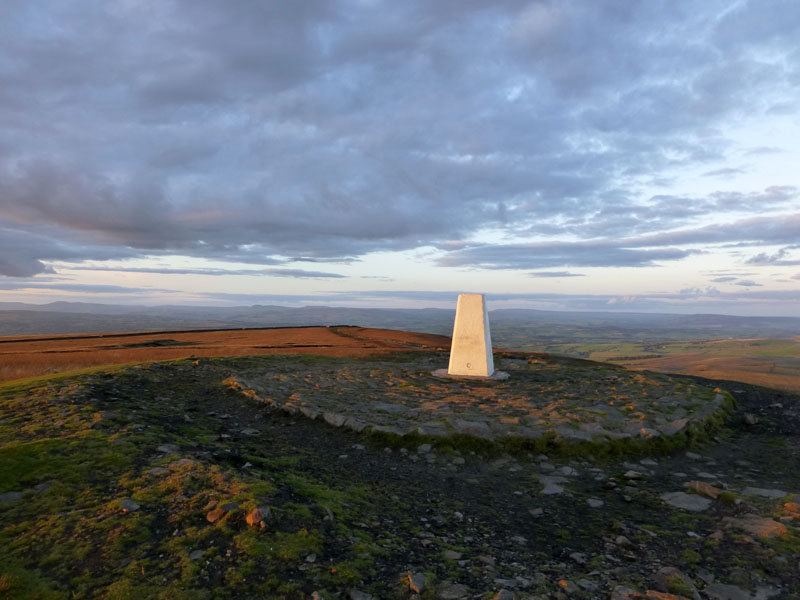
(511, 328)
(760, 350)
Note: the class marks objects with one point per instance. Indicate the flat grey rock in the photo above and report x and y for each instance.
(129, 505)
(721, 591)
(452, 591)
(552, 485)
(10, 497)
(691, 502)
(168, 448)
(764, 492)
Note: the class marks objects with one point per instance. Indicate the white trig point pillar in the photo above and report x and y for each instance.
(471, 350)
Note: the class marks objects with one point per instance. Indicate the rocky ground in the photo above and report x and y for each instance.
(539, 398)
(162, 481)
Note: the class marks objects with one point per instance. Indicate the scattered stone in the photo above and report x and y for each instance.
(215, 515)
(722, 591)
(311, 558)
(504, 595)
(416, 582)
(691, 502)
(315, 595)
(750, 419)
(621, 540)
(589, 586)
(359, 595)
(10, 497)
(459, 460)
(424, 448)
(551, 484)
(536, 512)
(197, 554)
(567, 586)
(335, 419)
(479, 429)
(258, 516)
(622, 592)
(168, 448)
(758, 526)
(452, 591)
(764, 492)
(157, 471)
(451, 554)
(249, 431)
(665, 578)
(41, 488)
(128, 505)
(594, 502)
(229, 506)
(634, 475)
(704, 489)
(693, 456)
(579, 557)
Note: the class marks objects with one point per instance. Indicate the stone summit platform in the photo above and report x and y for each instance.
(549, 398)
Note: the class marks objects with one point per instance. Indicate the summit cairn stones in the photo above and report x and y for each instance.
(471, 349)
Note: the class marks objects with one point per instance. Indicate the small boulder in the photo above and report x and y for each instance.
(416, 582)
(167, 448)
(452, 591)
(722, 591)
(758, 526)
(704, 489)
(690, 502)
(258, 516)
(128, 505)
(10, 497)
(215, 515)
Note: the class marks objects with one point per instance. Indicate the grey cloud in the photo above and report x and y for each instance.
(748, 283)
(776, 259)
(780, 229)
(724, 279)
(258, 131)
(80, 287)
(724, 172)
(554, 274)
(22, 252)
(273, 272)
(557, 254)
(698, 292)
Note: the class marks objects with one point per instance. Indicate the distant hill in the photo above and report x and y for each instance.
(511, 328)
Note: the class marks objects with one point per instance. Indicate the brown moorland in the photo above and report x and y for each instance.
(31, 356)
(778, 372)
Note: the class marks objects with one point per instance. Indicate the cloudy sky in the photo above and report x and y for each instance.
(573, 154)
